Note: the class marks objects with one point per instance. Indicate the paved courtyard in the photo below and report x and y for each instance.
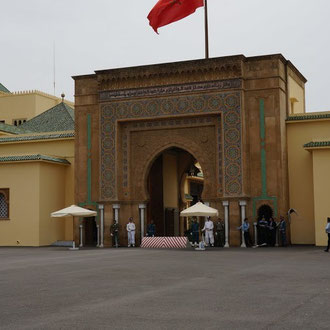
(53, 288)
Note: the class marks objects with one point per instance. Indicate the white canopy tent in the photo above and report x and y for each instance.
(73, 211)
(199, 210)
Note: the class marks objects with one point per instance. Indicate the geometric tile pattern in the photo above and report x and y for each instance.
(156, 124)
(196, 135)
(227, 104)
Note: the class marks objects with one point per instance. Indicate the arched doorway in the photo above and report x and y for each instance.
(175, 181)
(265, 211)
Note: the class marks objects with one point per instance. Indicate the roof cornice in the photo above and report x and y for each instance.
(33, 158)
(317, 145)
(221, 64)
(309, 116)
(37, 137)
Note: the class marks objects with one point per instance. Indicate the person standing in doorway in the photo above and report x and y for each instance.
(130, 227)
(327, 230)
(282, 230)
(208, 229)
(151, 229)
(195, 232)
(114, 232)
(245, 227)
(262, 231)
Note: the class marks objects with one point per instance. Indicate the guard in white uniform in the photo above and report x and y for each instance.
(208, 229)
(130, 227)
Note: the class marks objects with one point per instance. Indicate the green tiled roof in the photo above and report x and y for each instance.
(317, 144)
(36, 137)
(325, 115)
(3, 89)
(57, 119)
(13, 129)
(34, 157)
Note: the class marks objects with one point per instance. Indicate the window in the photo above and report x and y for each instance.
(18, 122)
(2, 121)
(4, 203)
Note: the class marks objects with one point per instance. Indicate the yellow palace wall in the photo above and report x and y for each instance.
(309, 180)
(25, 105)
(37, 188)
(296, 95)
(52, 186)
(22, 227)
(321, 177)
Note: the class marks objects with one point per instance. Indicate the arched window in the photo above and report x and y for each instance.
(4, 204)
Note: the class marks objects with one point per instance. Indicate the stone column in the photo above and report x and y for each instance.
(255, 234)
(81, 235)
(142, 207)
(98, 235)
(101, 208)
(277, 235)
(242, 204)
(226, 206)
(116, 207)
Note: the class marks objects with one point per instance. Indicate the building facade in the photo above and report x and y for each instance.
(149, 141)
(140, 129)
(309, 177)
(18, 107)
(36, 172)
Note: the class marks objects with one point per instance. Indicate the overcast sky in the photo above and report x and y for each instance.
(102, 34)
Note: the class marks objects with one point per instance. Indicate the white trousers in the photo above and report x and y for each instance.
(131, 237)
(209, 238)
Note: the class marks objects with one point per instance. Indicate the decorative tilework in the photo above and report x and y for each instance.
(162, 123)
(225, 103)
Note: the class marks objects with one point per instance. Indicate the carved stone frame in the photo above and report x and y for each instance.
(227, 104)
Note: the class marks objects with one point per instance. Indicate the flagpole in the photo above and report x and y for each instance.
(206, 31)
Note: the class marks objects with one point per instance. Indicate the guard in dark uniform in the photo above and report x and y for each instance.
(151, 229)
(272, 232)
(114, 232)
(262, 231)
(219, 233)
(195, 232)
(282, 230)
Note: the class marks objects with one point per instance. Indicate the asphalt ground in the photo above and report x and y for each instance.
(264, 288)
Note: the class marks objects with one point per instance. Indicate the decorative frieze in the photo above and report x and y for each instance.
(172, 89)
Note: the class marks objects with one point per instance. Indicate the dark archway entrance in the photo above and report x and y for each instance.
(175, 181)
(265, 211)
(90, 231)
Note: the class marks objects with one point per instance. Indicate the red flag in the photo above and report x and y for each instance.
(169, 11)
